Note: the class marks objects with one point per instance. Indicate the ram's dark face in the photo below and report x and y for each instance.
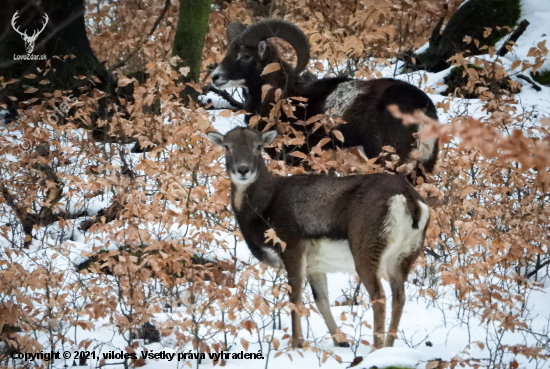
(241, 66)
(249, 52)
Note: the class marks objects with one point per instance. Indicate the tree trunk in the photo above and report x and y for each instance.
(190, 32)
(471, 19)
(189, 39)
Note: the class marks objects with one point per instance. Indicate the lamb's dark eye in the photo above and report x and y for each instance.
(226, 147)
(259, 148)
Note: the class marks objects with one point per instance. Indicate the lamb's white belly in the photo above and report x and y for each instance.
(329, 256)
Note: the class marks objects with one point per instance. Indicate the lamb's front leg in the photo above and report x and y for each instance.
(319, 287)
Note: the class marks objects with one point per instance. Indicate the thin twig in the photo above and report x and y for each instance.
(10, 200)
(109, 214)
(45, 217)
(226, 96)
(140, 44)
(427, 250)
(532, 273)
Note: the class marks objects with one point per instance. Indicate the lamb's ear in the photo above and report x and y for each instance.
(268, 137)
(262, 48)
(216, 138)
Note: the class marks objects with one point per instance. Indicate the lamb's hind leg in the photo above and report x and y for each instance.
(397, 284)
(372, 283)
(318, 284)
(367, 251)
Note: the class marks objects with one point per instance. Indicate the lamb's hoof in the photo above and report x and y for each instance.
(343, 344)
(298, 344)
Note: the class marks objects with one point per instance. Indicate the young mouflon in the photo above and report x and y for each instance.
(373, 225)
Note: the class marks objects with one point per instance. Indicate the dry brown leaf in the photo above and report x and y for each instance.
(270, 68)
(123, 81)
(271, 236)
(339, 136)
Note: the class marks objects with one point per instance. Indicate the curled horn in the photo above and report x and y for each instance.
(234, 30)
(289, 32)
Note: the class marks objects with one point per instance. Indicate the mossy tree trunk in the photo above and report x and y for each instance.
(189, 39)
(471, 19)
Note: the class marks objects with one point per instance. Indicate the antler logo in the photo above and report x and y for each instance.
(29, 40)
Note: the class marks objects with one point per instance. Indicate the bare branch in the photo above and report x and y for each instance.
(226, 96)
(532, 273)
(109, 213)
(525, 78)
(513, 37)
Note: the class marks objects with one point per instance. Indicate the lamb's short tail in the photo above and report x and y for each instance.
(404, 228)
(405, 210)
(417, 211)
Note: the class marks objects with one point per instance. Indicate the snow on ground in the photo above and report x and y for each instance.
(537, 12)
(395, 356)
